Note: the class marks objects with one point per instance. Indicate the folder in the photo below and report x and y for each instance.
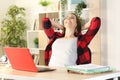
(89, 68)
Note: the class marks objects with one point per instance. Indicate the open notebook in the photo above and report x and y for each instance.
(89, 68)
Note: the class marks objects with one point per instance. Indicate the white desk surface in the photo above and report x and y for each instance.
(59, 74)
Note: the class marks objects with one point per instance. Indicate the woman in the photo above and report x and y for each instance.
(71, 46)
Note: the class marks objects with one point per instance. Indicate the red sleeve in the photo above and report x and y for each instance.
(93, 29)
(47, 27)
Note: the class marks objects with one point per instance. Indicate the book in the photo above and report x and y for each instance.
(89, 68)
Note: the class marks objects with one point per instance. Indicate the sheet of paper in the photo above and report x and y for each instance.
(89, 67)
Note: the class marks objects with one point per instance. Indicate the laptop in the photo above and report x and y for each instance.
(21, 59)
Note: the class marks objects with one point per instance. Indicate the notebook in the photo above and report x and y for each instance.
(89, 68)
(21, 59)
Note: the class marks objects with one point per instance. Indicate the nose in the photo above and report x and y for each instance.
(68, 18)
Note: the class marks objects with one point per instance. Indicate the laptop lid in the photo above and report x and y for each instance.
(20, 59)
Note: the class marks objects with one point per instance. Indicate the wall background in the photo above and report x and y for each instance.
(110, 39)
(4, 4)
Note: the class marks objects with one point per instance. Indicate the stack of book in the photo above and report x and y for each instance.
(89, 68)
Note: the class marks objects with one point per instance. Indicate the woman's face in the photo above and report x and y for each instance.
(70, 21)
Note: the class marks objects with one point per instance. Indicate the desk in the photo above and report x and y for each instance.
(6, 72)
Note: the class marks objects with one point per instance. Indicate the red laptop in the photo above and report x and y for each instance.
(21, 59)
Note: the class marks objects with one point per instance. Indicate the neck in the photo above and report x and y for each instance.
(69, 33)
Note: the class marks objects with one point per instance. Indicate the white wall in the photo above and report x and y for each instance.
(104, 33)
(110, 38)
(4, 4)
